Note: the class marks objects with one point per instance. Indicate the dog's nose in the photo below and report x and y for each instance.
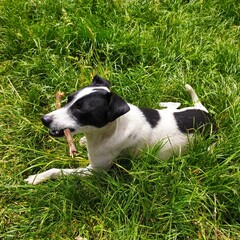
(46, 120)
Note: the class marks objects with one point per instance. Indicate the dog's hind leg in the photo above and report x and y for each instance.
(195, 99)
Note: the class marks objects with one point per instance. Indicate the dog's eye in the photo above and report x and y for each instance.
(78, 105)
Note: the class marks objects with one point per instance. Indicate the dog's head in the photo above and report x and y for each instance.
(90, 108)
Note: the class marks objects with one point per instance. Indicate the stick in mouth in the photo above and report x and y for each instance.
(67, 132)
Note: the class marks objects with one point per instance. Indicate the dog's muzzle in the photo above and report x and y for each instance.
(53, 132)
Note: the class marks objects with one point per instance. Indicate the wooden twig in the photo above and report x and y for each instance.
(67, 132)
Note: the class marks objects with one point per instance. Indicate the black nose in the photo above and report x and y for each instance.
(46, 120)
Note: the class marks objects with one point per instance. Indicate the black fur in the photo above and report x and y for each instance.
(191, 120)
(99, 81)
(117, 107)
(91, 110)
(152, 116)
(98, 109)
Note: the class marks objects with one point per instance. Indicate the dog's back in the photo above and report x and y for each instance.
(171, 127)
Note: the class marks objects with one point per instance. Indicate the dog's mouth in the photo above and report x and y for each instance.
(58, 133)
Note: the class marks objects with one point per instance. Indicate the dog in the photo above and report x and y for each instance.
(111, 126)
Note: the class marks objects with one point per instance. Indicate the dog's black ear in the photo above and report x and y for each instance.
(117, 107)
(99, 81)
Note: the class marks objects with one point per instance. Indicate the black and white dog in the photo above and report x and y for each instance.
(111, 125)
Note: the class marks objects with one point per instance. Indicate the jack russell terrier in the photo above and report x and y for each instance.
(111, 125)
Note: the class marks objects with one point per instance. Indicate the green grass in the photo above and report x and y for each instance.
(148, 50)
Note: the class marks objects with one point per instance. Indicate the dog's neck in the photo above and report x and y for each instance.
(99, 144)
(95, 138)
(110, 133)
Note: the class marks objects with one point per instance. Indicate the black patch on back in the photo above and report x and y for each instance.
(192, 119)
(152, 116)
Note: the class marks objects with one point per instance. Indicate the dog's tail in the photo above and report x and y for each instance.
(195, 99)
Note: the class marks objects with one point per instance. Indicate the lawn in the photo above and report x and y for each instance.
(148, 50)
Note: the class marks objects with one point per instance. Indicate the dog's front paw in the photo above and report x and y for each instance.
(43, 176)
(35, 179)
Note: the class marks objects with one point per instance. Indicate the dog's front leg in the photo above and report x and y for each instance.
(55, 173)
(98, 164)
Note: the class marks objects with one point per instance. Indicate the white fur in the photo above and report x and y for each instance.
(130, 132)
